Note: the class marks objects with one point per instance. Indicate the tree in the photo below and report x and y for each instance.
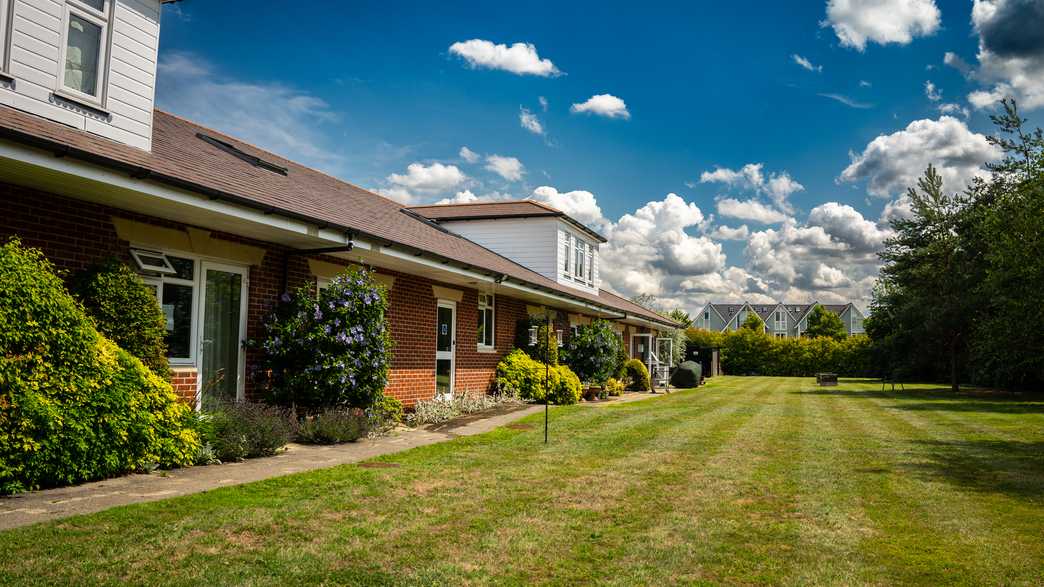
(753, 322)
(647, 301)
(823, 322)
(680, 316)
(592, 353)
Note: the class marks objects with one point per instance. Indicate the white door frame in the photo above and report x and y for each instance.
(204, 265)
(451, 354)
(647, 335)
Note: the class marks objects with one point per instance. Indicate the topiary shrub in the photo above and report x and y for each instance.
(520, 375)
(330, 352)
(613, 386)
(687, 375)
(126, 311)
(637, 375)
(592, 352)
(74, 406)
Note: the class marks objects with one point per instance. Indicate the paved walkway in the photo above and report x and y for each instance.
(52, 504)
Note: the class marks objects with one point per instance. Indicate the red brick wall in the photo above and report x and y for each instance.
(183, 380)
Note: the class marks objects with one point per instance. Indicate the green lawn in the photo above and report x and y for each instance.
(748, 480)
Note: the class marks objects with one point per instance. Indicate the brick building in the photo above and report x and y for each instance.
(220, 229)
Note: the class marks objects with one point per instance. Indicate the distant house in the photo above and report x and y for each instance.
(781, 319)
(219, 228)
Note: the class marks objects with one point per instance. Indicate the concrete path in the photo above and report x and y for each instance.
(52, 504)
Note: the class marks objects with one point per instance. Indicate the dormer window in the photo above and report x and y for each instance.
(84, 48)
(568, 253)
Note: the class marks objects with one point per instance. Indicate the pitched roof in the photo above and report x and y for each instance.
(495, 210)
(180, 157)
(727, 311)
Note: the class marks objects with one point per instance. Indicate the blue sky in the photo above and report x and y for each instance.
(375, 94)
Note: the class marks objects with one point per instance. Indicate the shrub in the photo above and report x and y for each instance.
(74, 406)
(385, 414)
(614, 386)
(330, 352)
(518, 374)
(745, 352)
(333, 427)
(244, 430)
(592, 352)
(440, 409)
(637, 374)
(687, 375)
(126, 311)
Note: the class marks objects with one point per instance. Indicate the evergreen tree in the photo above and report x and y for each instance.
(823, 322)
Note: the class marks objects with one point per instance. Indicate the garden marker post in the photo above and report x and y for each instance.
(547, 367)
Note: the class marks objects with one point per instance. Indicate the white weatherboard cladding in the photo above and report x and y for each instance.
(130, 78)
(530, 242)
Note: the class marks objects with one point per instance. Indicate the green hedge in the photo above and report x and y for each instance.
(126, 311)
(745, 352)
(74, 406)
(518, 374)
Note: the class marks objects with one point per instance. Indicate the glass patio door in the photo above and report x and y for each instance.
(222, 332)
(445, 343)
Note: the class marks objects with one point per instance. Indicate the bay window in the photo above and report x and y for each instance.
(84, 48)
(485, 322)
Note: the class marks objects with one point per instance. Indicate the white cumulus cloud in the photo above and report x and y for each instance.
(749, 210)
(892, 163)
(423, 180)
(606, 105)
(520, 58)
(1011, 52)
(509, 168)
(580, 204)
(469, 155)
(857, 22)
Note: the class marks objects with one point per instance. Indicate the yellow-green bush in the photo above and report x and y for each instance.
(518, 374)
(614, 386)
(73, 405)
(746, 352)
(637, 375)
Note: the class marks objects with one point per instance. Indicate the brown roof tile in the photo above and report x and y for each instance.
(179, 157)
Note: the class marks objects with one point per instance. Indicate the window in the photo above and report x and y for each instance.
(568, 252)
(781, 335)
(152, 262)
(580, 249)
(84, 46)
(176, 293)
(5, 19)
(781, 320)
(590, 264)
(321, 283)
(485, 321)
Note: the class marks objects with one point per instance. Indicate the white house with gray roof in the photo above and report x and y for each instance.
(781, 319)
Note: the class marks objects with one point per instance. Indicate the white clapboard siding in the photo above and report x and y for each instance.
(126, 111)
(530, 242)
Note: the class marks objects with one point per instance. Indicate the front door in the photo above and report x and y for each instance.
(222, 332)
(640, 347)
(445, 343)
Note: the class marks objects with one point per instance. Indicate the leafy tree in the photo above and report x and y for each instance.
(592, 352)
(753, 322)
(647, 301)
(823, 322)
(680, 316)
(1007, 223)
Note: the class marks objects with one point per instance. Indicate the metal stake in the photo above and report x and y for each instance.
(547, 371)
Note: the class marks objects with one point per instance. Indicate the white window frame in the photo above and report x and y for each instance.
(590, 264)
(568, 254)
(6, 19)
(580, 256)
(194, 283)
(486, 302)
(321, 283)
(781, 320)
(102, 19)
